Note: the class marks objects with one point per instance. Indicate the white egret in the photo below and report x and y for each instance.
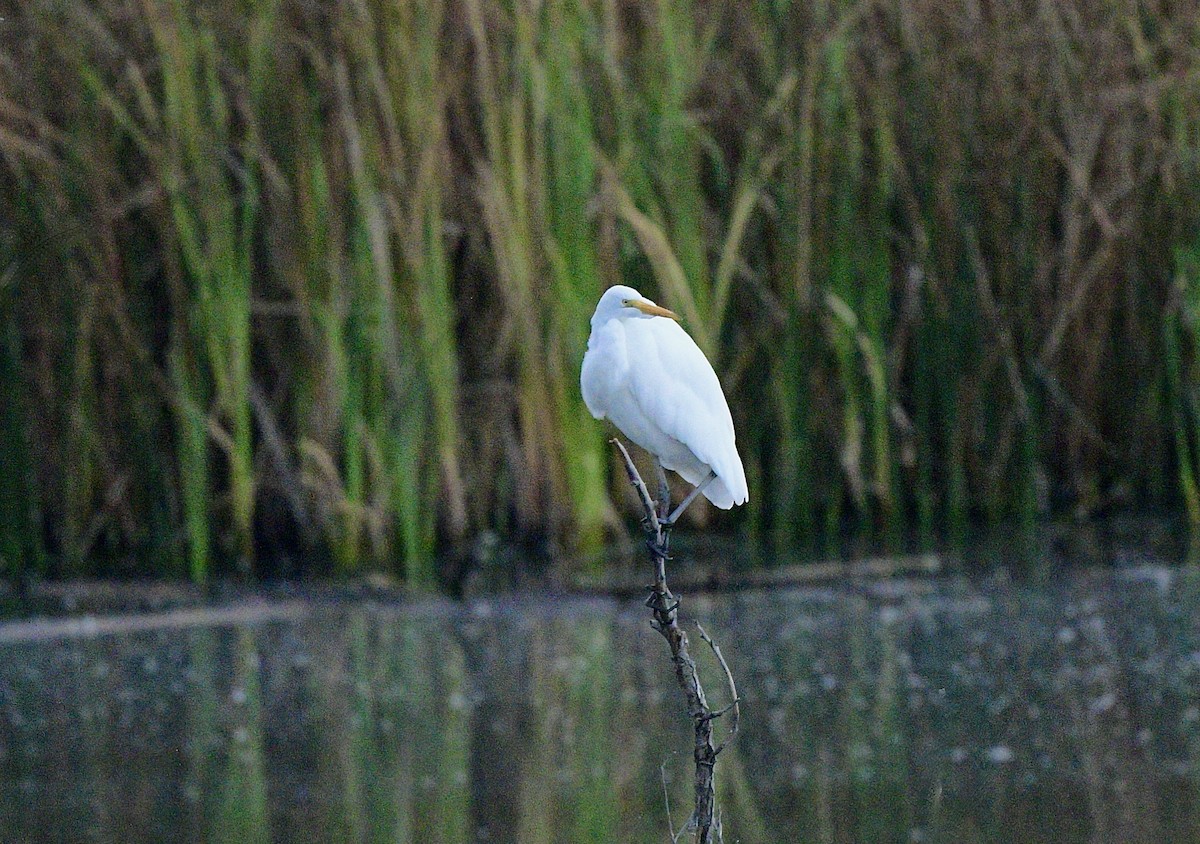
(644, 372)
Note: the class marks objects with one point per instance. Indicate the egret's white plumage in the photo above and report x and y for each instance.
(644, 372)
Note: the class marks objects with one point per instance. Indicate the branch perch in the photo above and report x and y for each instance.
(664, 609)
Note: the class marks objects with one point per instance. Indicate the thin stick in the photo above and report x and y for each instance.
(737, 710)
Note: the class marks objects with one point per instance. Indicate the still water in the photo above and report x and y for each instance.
(937, 710)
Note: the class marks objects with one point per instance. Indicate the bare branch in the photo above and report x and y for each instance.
(704, 820)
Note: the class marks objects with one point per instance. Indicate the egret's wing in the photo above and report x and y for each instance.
(603, 372)
(676, 388)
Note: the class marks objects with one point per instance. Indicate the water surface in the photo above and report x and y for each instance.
(887, 711)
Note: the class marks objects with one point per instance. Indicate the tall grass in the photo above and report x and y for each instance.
(285, 282)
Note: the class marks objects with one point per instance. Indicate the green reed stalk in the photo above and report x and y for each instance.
(329, 400)
(410, 393)
(416, 72)
(1181, 323)
(659, 150)
(214, 221)
(674, 155)
(192, 451)
(790, 456)
(567, 184)
(212, 213)
(536, 189)
(854, 260)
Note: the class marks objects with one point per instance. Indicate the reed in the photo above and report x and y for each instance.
(317, 280)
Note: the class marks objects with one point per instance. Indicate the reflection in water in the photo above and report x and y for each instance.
(912, 712)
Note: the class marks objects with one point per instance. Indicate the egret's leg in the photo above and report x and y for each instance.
(683, 505)
(664, 491)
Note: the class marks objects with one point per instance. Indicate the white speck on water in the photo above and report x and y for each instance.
(1066, 635)
(1191, 714)
(238, 695)
(457, 701)
(958, 755)
(241, 735)
(1103, 703)
(777, 721)
(1000, 754)
(890, 615)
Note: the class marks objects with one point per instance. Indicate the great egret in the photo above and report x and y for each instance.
(644, 372)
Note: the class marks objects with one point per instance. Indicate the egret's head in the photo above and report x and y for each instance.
(621, 302)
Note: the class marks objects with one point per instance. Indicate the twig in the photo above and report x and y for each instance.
(734, 705)
(664, 606)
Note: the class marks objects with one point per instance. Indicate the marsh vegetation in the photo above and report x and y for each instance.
(283, 280)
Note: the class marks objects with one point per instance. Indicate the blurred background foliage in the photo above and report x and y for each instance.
(294, 280)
